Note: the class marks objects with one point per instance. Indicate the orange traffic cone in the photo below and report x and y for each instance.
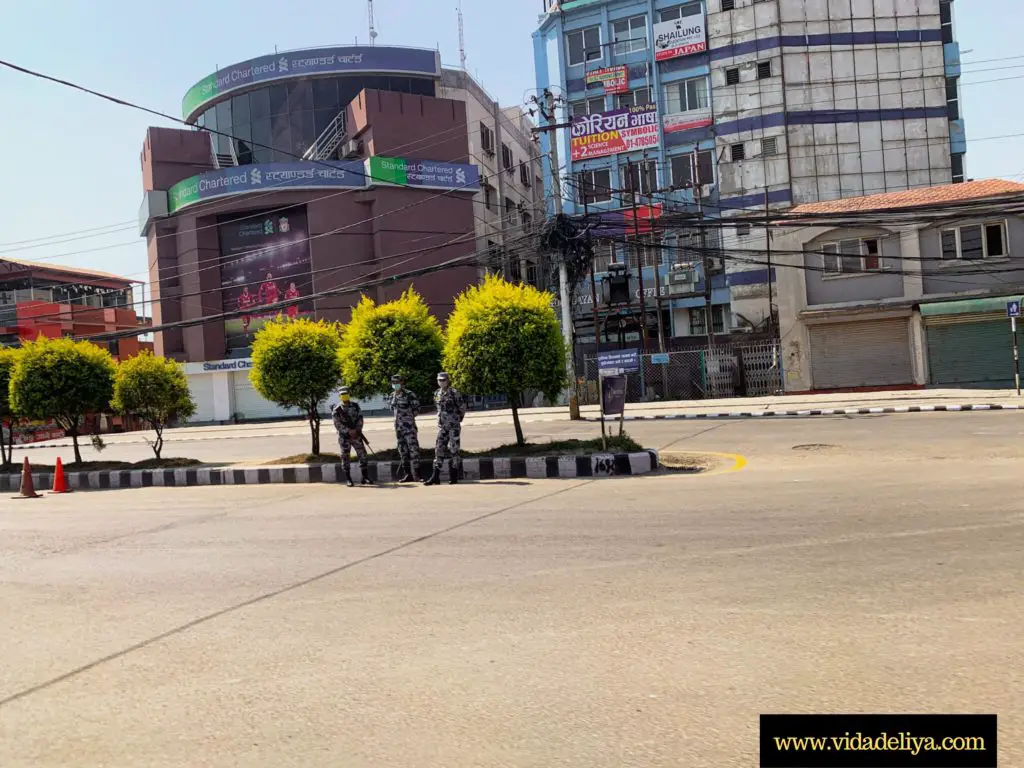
(28, 490)
(60, 484)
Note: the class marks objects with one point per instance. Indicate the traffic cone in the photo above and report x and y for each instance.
(28, 490)
(60, 484)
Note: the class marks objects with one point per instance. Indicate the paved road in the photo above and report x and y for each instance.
(631, 621)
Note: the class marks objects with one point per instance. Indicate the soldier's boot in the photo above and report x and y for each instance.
(453, 473)
(365, 479)
(404, 475)
(435, 478)
(409, 474)
(414, 468)
(348, 477)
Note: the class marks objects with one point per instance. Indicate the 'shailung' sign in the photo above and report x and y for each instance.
(679, 37)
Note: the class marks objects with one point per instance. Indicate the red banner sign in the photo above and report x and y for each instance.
(614, 79)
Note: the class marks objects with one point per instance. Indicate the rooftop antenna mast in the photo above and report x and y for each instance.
(373, 31)
(462, 40)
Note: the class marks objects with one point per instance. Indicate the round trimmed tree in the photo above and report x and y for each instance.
(503, 339)
(295, 364)
(63, 380)
(154, 390)
(380, 340)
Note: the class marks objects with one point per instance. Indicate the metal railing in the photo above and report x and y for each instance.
(731, 370)
(227, 159)
(328, 141)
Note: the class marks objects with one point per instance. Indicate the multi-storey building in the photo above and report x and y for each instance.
(774, 102)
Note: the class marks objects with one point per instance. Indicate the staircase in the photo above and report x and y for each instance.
(327, 143)
(223, 159)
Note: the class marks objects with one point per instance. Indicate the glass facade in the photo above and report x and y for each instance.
(286, 118)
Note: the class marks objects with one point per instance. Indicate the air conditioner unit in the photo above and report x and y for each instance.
(351, 149)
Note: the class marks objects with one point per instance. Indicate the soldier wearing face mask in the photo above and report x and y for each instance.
(451, 409)
(348, 420)
(404, 404)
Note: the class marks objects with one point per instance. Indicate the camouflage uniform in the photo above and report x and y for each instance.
(348, 416)
(404, 404)
(451, 409)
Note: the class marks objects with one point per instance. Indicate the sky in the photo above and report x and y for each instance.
(72, 161)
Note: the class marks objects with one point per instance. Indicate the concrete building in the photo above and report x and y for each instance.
(781, 103)
(919, 302)
(308, 172)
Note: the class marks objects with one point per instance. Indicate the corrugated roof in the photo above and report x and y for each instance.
(911, 198)
(50, 267)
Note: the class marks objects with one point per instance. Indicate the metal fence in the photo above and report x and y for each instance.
(733, 370)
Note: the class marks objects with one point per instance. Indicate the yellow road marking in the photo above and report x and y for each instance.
(738, 461)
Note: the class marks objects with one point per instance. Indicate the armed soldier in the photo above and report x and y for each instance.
(348, 420)
(404, 404)
(451, 409)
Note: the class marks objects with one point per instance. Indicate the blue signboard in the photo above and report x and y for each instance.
(659, 358)
(1013, 308)
(618, 361)
(312, 61)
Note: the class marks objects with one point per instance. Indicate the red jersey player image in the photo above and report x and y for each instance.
(292, 293)
(268, 291)
(246, 301)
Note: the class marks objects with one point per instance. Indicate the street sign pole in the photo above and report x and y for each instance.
(1016, 355)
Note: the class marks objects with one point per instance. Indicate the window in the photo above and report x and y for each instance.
(639, 177)
(958, 168)
(515, 272)
(531, 273)
(527, 222)
(953, 98)
(681, 12)
(974, 241)
(486, 139)
(630, 35)
(604, 254)
(732, 76)
(686, 95)
(737, 152)
(636, 98)
(595, 186)
(488, 196)
(583, 45)
(511, 212)
(507, 160)
(682, 169)
(698, 320)
(946, 20)
(764, 70)
(728, 5)
(850, 257)
(650, 255)
(770, 146)
(742, 230)
(586, 106)
(524, 174)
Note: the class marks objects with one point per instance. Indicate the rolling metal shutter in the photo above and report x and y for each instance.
(250, 405)
(871, 353)
(970, 351)
(201, 387)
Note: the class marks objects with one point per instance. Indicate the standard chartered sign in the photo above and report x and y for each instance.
(422, 173)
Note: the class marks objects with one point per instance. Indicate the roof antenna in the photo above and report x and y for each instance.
(373, 31)
(462, 40)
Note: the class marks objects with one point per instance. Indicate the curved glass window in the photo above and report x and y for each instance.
(279, 122)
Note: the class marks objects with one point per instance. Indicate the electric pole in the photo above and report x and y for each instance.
(639, 254)
(708, 309)
(547, 111)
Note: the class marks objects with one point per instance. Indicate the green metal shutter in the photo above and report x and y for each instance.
(974, 354)
(869, 353)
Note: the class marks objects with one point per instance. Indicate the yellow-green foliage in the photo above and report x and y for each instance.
(400, 336)
(503, 339)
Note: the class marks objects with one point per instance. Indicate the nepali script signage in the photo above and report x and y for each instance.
(267, 177)
(609, 133)
(428, 174)
(614, 79)
(679, 37)
(312, 61)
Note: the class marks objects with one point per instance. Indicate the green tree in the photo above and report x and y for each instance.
(295, 364)
(63, 380)
(8, 357)
(503, 339)
(379, 341)
(155, 390)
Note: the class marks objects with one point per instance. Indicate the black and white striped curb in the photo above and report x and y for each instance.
(533, 467)
(818, 412)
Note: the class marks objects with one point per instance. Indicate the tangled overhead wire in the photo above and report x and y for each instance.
(564, 239)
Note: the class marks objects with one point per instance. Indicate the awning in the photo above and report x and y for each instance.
(988, 305)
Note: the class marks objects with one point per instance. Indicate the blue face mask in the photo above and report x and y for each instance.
(396, 387)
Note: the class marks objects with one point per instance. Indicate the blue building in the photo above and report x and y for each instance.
(775, 103)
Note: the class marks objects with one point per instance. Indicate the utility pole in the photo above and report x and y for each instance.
(771, 301)
(547, 110)
(708, 313)
(593, 273)
(657, 274)
(639, 256)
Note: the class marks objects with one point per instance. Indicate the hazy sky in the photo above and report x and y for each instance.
(71, 161)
